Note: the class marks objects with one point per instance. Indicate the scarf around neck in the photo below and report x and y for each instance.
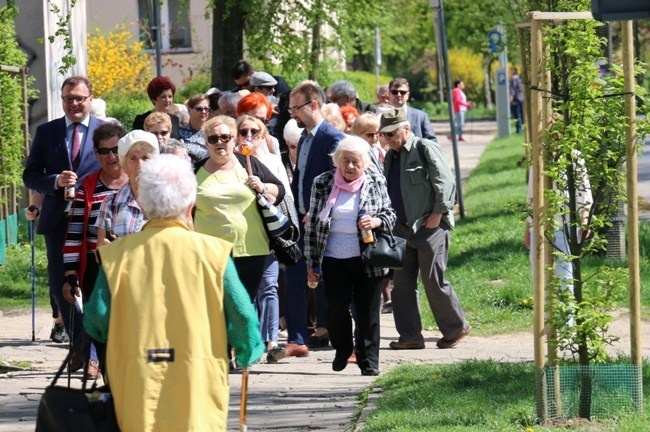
(340, 183)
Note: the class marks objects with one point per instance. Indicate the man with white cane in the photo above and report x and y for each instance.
(167, 302)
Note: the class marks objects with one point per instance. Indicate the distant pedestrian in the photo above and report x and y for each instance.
(516, 99)
(423, 192)
(459, 101)
(383, 94)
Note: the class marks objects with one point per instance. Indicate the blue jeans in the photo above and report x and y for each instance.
(516, 110)
(268, 305)
(459, 118)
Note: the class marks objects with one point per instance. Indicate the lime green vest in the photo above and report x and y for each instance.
(166, 285)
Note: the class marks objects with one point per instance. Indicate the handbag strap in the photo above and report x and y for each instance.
(62, 368)
(65, 363)
(392, 242)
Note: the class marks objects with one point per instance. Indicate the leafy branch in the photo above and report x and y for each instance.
(63, 30)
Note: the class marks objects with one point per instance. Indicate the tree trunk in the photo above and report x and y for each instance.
(314, 56)
(227, 42)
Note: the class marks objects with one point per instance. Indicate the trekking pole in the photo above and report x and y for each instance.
(32, 208)
(243, 401)
(71, 338)
(32, 274)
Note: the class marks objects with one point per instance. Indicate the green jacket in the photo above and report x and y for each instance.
(428, 185)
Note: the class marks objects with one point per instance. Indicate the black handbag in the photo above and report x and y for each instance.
(387, 250)
(64, 409)
(285, 247)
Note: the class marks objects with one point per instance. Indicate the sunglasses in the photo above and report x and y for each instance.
(399, 92)
(161, 133)
(388, 134)
(371, 134)
(202, 109)
(245, 132)
(216, 139)
(104, 150)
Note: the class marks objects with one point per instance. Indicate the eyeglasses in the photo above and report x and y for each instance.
(388, 134)
(216, 139)
(371, 134)
(245, 132)
(161, 133)
(399, 92)
(74, 99)
(296, 108)
(105, 150)
(202, 109)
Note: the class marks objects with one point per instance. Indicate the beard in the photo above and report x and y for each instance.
(300, 123)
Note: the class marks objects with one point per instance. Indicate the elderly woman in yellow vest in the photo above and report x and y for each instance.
(178, 302)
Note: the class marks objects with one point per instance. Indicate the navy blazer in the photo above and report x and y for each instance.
(49, 156)
(420, 123)
(325, 141)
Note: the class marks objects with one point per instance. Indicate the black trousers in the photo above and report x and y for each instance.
(346, 282)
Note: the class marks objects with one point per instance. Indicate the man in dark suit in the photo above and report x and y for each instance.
(61, 156)
(317, 143)
(418, 119)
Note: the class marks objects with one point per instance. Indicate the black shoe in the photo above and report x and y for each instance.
(370, 372)
(340, 362)
(275, 354)
(58, 333)
(319, 341)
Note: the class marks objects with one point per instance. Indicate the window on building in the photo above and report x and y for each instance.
(175, 29)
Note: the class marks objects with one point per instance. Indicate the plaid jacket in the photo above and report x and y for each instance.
(373, 201)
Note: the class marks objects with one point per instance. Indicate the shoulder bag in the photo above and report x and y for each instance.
(65, 409)
(387, 251)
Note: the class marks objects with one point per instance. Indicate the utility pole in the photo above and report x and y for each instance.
(439, 19)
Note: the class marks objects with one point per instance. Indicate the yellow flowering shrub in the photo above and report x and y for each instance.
(466, 66)
(117, 63)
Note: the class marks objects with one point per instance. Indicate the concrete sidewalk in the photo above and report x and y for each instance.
(297, 394)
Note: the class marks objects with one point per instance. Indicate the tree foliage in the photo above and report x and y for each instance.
(586, 140)
(12, 140)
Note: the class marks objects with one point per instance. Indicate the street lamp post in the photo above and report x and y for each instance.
(157, 36)
(439, 25)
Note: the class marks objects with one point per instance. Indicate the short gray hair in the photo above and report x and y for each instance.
(352, 144)
(166, 187)
(171, 145)
(342, 89)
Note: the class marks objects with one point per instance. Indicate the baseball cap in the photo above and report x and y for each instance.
(134, 137)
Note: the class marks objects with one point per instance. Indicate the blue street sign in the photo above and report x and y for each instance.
(494, 41)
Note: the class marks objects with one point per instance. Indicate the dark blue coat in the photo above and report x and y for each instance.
(318, 160)
(47, 158)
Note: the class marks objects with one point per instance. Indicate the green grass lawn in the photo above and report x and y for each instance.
(473, 396)
(15, 280)
(489, 268)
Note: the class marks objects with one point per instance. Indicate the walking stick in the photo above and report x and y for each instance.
(32, 273)
(71, 335)
(243, 401)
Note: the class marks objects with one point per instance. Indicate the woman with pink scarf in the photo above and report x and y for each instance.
(344, 202)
